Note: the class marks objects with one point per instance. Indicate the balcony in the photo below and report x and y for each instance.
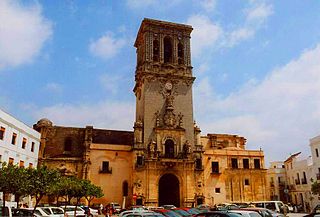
(297, 181)
(106, 170)
(291, 187)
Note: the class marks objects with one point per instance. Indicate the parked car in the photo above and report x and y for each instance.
(143, 214)
(168, 213)
(264, 212)
(134, 211)
(169, 206)
(181, 212)
(90, 211)
(69, 210)
(315, 212)
(193, 211)
(51, 211)
(245, 213)
(22, 212)
(276, 206)
(217, 214)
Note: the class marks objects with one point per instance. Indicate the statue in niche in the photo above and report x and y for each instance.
(169, 101)
(186, 149)
(152, 149)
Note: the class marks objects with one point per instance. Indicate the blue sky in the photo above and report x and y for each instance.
(257, 65)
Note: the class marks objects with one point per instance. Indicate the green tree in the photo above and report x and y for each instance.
(91, 191)
(12, 180)
(40, 181)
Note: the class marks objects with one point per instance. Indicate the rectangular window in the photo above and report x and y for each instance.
(257, 163)
(2, 130)
(0, 158)
(246, 182)
(14, 139)
(246, 163)
(21, 163)
(217, 190)
(11, 161)
(105, 167)
(214, 167)
(30, 165)
(234, 163)
(317, 152)
(32, 146)
(24, 143)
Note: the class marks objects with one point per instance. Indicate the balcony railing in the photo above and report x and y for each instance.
(303, 181)
(292, 187)
(106, 170)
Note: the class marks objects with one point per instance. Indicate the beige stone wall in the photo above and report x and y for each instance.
(120, 161)
(232, 181)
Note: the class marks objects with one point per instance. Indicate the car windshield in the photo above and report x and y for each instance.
(182, 212)
(171, 214)
(57, 211)
(46, 210)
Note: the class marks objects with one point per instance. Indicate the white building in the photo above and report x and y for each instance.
(315, 176)
(19, 143)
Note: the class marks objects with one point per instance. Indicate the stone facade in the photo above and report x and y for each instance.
(164, 160)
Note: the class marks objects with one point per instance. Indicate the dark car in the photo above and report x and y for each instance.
(217, 214)
(168, 213)
(315, 212)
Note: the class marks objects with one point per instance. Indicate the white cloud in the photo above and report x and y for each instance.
(205, 33)
(106, 46)
(279, 113)
(259, 12)
(208, 5)
(111, 82)
(106, 114)
(23, 33)
(54, 87)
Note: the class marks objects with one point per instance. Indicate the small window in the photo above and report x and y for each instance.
(257, 163)
(317, 152)
(246, 163)
(246, 182)
(139, 160)
(11, 161)
(2, 130)
(24, 143)
(68, 144)
(215, 167)
(14, 139)
(180, 54)
(217, 190)
(156, 51)
(105, 167)
(21, 164)
(199, 164)
(234, 163)
(167, 50)
(32, 146)
(30, 165)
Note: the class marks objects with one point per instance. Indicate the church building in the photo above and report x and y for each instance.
(165, 159)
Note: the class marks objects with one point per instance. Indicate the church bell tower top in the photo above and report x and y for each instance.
(148, 24)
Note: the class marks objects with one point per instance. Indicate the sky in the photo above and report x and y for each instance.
(256, 63)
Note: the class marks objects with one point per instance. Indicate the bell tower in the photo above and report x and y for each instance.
(166, 138)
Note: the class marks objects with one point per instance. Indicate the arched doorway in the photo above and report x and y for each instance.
(169, 190)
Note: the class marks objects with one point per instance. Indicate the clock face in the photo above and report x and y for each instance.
(168, 85)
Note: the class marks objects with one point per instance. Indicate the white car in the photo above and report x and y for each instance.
(70, 211)
(51, 211)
